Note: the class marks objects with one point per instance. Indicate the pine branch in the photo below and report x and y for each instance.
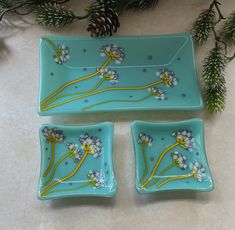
(203, 25)
(54, 15)
(213, 76)
(228, 31)
(7, 6)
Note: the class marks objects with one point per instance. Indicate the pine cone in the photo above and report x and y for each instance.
(103, 18)
(141, 4)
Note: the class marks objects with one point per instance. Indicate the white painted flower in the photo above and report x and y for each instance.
(53, 135)
(62, 54)
(145, 139)
(185, 139)
(76, 152)
(198, 171)
(179, 160)
(115, 52)
(168, 77)
(91, 145)
(95, 178)
(110, 75)
(159, 94)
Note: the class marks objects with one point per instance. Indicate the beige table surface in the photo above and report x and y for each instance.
(20, 153)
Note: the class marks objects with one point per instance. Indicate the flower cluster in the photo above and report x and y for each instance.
(185, 139)
(75, 151)
(198, 171)
(145, 139)
(110, 75)
(62, 54)
(115, 52)
(91, 145)
(159, 94)
(95, 178)
(179, 160)
(168, 77)
(53, 135)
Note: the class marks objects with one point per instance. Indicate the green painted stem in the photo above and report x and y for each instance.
(46, 189)
(145, 164)
(68, 189)
(106, 63)
(51, 161)
(147, 181)
(51, 43)
(161, 174)
(175, 178)
(55, 168)
(109, 101)
(75, 93)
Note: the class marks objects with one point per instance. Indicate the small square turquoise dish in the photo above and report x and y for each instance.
(76, 161)
(170, 156)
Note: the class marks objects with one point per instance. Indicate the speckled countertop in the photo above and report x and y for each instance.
(20, 153)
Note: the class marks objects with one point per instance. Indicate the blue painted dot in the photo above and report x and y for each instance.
(183, 95)
(46, 149)
(187, 182)
(144, 70)
(99, 130)
(70, 183)
(150, 57)
(178, 58)
(48, 158)
(151, 158)
(66, 162)
(75, 86)
(197, 153)
(84, 50)
(52, 74)
(85, 69)
(107, 172)
(162, 139)
(130, 96)
(86, 101)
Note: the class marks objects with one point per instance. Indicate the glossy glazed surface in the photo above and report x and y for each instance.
(76, 161)
(170, 156)
(82, 74)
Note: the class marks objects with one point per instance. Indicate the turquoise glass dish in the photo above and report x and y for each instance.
(83, 74)
(76, 161)
(170, 156)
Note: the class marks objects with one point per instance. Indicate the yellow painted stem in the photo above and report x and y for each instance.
(76, 81)
(157, 164)
(161, 174)
(175, 178)
(66, 177)
(102, 91)
(69, 189)
(55, 168)
(109, 101)
(75, 93)
(145, 163)
(52, 159)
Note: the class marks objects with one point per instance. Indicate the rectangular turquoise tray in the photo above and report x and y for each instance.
(83, 74)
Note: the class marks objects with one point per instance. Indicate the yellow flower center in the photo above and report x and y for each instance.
(52, 139)
(87, 148)
(166, 79)
(111, 55)
(181, 142)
